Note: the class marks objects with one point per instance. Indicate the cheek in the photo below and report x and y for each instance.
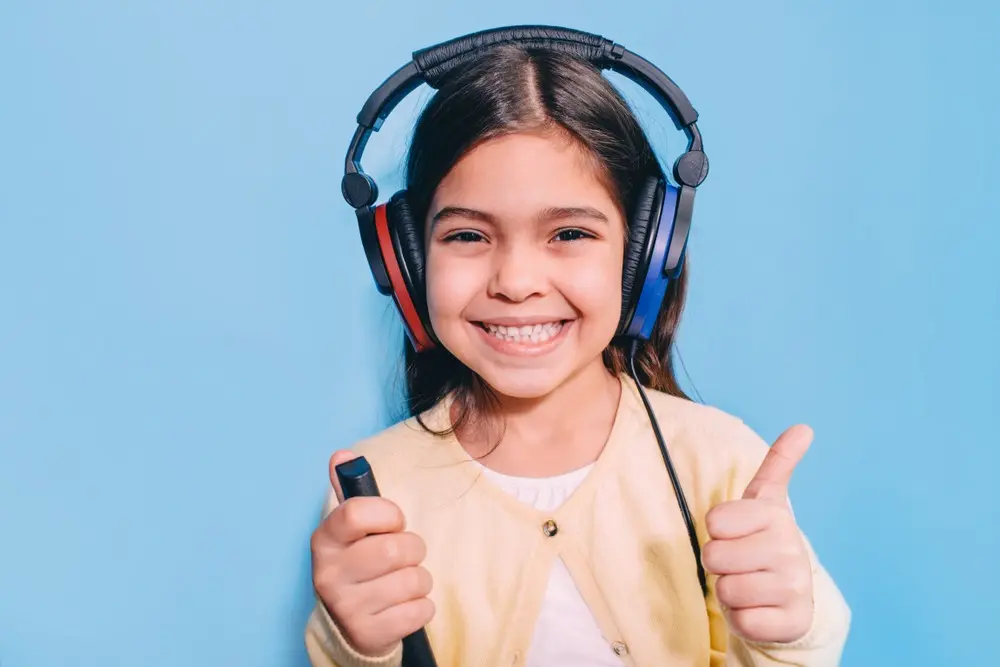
(594, 287)
(451, 285)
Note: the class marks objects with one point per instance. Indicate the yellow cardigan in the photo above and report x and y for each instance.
(620, 535)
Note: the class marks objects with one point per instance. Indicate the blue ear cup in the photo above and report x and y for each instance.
(655, 279)
(657, 239)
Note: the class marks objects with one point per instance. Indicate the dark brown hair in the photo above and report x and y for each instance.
(514, 89)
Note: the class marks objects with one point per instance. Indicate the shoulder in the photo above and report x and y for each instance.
(392, 446)
(724, 432)
(406, 446)
(716, 448)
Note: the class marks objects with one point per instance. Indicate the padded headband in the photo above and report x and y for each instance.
(433, 64)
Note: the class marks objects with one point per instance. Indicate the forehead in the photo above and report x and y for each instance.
(521, 173)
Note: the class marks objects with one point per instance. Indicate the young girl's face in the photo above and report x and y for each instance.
(524, 262)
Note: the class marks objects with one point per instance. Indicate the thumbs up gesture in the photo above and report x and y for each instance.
(765, 576)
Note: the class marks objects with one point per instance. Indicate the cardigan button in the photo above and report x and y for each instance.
(550, 528)
(619, 648)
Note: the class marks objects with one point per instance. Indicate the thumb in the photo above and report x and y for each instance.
(339, 456)
(775, 471)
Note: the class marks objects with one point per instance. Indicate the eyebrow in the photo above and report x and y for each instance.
(546, 214)
(461, 212)
(571, 212)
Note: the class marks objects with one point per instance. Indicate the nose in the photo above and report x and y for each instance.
(518, 274)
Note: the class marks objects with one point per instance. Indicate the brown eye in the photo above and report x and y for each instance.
(572, 235)
(464, 237)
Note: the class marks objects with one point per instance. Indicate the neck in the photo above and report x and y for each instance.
(559, 432)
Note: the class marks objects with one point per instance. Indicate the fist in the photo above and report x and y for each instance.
(366, 571)
(756, 548)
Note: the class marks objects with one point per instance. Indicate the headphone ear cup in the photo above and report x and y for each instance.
(646, 211)
(408, 241)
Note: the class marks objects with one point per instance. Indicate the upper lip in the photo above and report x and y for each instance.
(521, 321)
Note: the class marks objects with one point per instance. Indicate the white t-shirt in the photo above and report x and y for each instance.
(566, 634)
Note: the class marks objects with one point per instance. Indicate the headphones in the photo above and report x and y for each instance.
(661, 215)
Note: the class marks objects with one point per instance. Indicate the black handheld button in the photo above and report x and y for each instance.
(417, 650)
(357, 479)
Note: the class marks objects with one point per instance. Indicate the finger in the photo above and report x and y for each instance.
(395, 588)
(753, 589)
(771, 479)
(378, 555)
(359, 517)
(379, 634)
(406, 618)
(753, 553)
(740, 518)
(339, 456)
(769, 624)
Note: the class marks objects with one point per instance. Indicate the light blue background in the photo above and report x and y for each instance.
(188, 328)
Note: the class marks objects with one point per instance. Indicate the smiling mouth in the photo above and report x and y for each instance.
(526, 333)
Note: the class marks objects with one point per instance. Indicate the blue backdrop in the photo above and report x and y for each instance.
(188, 328)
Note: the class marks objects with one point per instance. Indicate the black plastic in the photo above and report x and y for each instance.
(417, 650)
(358, 189)
(352, 164)
(658, 84)
(357, 479)
(678, 238)
(691, 168)
(385, 98)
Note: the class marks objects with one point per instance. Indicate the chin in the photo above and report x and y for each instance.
(523, 383)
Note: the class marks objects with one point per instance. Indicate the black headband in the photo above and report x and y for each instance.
(433, 64)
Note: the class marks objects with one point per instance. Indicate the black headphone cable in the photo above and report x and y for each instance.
(678, 491)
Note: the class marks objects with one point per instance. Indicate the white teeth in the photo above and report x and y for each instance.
(529, 333)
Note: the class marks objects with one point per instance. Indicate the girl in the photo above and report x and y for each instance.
(526, 516)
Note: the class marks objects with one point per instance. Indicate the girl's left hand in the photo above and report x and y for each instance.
(756, 548)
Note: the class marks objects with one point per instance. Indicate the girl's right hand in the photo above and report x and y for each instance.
(367, 570)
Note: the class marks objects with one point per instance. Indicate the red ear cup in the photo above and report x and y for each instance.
(415, 329)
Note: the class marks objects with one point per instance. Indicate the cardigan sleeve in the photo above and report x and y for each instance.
(327, 647)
